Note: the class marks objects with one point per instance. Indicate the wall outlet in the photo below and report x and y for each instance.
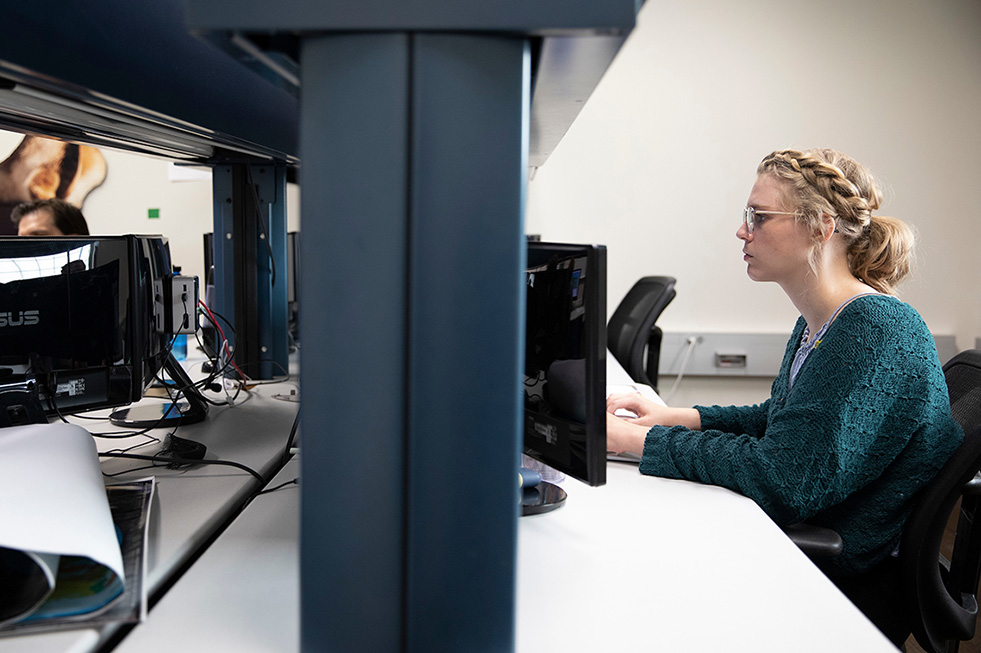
(730, 360)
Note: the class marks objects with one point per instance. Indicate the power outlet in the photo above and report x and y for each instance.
(730, 361)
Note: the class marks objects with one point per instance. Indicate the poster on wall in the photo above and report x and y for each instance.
(43, 168)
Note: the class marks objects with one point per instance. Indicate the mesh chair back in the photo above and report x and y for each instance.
(942, 604)
(963, 373)
(632, 322)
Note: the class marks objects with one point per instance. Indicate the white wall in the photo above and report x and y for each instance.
(659, 163)
(136, 183)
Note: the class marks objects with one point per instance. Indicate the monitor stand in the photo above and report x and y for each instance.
(166, 414)
(20, 404)
(543, 497)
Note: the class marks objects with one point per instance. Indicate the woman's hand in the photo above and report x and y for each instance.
(623, 435)
(644, 411)
(649, 413)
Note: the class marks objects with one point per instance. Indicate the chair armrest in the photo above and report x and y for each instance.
(814, 541)
(973, 486)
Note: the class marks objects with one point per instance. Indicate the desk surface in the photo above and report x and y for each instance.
(191, 506)
(640, 564)
(646, 563)
(243, 594)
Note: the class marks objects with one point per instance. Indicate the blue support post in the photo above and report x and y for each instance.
(251, 264)
(354, 322)
(414, 150)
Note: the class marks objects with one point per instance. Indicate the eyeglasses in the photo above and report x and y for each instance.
(750, 213)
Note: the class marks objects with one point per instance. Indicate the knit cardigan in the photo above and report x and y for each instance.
(866, 424)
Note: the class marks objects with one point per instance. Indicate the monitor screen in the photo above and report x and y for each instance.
(78, 318)
(565, 359)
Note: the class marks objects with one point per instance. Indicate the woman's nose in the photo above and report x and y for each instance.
(742, 233)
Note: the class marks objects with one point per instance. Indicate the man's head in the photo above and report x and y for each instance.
(49, 217)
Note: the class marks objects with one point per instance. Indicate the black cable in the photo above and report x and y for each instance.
(262, 223)
(216, 372)
(295, 481)
(169, 460)
(129, 471)
(223, 319)
(122, 435)
(150, 440)
(289, 441)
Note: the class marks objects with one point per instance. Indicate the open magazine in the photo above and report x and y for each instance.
(72, 550)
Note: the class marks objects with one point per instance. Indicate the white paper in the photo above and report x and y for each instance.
(52, 496)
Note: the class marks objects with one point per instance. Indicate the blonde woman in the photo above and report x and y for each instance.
(858, 418)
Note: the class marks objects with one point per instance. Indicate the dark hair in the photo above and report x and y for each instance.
(67, 217)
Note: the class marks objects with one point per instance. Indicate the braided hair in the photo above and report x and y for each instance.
(826, 181)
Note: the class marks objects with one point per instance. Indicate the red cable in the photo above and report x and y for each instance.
(224, 340)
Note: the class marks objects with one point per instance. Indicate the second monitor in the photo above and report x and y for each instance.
(565, 359)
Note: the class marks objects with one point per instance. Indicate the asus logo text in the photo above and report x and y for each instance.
(19, 318)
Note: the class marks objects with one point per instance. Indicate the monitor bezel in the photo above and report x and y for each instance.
(593, 470)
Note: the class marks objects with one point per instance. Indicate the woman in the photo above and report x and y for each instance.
(858, 418)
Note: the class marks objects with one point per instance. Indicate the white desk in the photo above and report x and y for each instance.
(243, 594)
(191, 506)
(646, 563)
(639, 564)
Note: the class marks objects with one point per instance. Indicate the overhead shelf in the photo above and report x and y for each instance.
(130, 75)
(210, 80)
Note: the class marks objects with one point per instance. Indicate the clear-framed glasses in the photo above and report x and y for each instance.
(750, 219)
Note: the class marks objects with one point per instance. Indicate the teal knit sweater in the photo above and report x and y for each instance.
(866, 424)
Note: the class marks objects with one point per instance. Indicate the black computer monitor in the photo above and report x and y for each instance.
(81, 322)
(565, 359)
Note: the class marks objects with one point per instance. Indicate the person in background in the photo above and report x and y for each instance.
(49, 217)
(859, 417)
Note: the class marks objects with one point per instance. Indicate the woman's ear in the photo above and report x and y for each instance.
(829, 226)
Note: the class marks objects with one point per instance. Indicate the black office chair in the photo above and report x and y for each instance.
(631, 335)
(927, 595)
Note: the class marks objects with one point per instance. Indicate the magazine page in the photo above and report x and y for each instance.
(130, 505)
(54, 508)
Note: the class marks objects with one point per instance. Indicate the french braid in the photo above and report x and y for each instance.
(828, 181)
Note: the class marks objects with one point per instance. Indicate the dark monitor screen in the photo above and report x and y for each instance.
(78, 318)
(565, 359)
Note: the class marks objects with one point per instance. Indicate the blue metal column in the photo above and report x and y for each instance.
(469, 170)
(414, 164)
(353, 362)
(273, 304)
(251, 274)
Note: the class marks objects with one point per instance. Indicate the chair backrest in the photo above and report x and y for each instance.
(632, 322)
(941, 604)
(963, 373)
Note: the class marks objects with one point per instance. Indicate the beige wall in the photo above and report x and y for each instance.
(659, 163)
